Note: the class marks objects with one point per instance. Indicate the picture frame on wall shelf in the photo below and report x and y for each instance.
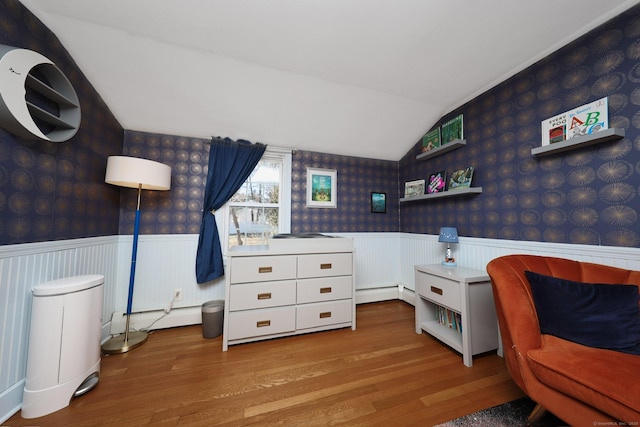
(322, 188)
(431, 140)
(414, 188)
(437, 182)
(461, 178)
(378, 202)
(453, 129)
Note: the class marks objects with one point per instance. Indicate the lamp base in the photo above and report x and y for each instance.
(449, 263)
(118, 344)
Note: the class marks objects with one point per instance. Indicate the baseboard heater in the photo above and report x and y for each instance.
(184, 316)
(156, 319)
(384, 293)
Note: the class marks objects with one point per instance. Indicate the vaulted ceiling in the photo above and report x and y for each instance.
(364, 78)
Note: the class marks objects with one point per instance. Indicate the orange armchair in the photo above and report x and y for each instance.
(579, 384)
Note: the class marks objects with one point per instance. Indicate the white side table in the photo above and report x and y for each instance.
(460, 290)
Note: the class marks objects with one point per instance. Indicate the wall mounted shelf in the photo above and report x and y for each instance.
(448, 193)
(579, 141)
(36, 98)
(445, 148)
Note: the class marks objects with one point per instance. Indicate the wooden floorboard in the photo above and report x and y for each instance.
(382, 374)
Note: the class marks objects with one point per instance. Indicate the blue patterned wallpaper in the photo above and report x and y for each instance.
(56, 191)
(179, 210)
(585, 196)
(357, 177)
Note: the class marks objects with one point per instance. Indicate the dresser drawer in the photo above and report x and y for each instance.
(247, 296)
(439, 290)
(323, 313)
(324, 265)
(255, 323)
(261, 269)
(324, 289)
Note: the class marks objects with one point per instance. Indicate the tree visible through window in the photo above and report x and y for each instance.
(254, 211)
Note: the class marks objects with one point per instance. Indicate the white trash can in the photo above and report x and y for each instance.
(63, 360)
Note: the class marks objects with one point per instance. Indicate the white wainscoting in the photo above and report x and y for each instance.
(164, 263)
(385, 261)
(21, 268)
(476, 253)
(384, 270)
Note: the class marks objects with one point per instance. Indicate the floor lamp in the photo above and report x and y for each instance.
(132, 172)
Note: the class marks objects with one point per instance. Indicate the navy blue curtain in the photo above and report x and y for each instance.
(230, 164)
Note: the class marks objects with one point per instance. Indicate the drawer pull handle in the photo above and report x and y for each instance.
(266, 295)
(436, 290)
(326, 266)
(265, 269)
(325, 314)
(325, 290)
(263, 323)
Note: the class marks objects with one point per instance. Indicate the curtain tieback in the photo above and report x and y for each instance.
(213, 211)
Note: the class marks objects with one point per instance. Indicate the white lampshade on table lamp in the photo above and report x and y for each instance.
(448, 235)
(132, 172)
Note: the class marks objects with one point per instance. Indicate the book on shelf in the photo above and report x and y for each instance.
(452, 129)
(437, 182)
(414, 188)
(461, 178)
(584, 120)
(431, 140)
(449, 318)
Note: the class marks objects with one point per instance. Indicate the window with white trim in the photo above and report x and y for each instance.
(262, 206)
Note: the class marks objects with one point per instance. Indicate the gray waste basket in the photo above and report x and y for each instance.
(212, 318)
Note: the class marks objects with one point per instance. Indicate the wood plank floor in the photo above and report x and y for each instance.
(381, 374)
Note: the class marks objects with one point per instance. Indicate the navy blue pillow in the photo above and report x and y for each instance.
(592, 314)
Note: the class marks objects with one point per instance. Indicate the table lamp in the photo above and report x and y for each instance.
(133, 172)
(448, 235)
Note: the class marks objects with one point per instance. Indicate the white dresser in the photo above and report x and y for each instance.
(293, 286)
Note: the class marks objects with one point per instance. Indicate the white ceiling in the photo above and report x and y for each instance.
(365, 78)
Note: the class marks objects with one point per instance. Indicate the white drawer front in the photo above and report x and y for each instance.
(439, 290)
(324, 289)
(261, 269)
(247, 296)
(323, 313)
(324, 265)
(255, 323)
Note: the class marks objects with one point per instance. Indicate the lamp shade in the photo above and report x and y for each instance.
(448, 235)
(132, 172)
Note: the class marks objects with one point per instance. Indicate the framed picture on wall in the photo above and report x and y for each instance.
(322, 188)
(378, 202)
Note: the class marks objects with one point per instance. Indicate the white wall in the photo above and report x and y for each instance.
(384, 270)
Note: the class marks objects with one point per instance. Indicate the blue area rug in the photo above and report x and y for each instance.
(510, 414)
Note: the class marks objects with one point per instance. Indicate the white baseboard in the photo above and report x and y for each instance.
(11, 401)
(364, 296)
(407, 295)
(156, 319)
(183, 316)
